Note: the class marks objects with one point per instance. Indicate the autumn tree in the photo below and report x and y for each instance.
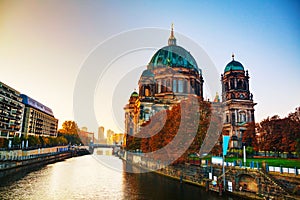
(165, 125)
(280, 135)
(70, 131)
(249, 137)
(69, 127)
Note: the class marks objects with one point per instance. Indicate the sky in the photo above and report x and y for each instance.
(45, 47)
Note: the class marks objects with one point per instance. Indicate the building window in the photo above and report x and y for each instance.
(233, 118)
(185, 86)
(192, 88)
(226, 86)
(147, 91)
(174, 85)
(147, 116)
(242, 117)
(163, 86)
(180, 86)
(159, 86)
(240, 84)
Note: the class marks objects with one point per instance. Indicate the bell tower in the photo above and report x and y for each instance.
(238, 102)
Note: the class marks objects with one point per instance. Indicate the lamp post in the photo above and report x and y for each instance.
(274, 148)
(223, 166)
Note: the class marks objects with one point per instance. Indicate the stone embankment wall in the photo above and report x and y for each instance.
(245, 182)
(16, 163)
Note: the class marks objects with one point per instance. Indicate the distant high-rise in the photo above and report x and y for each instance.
(84, 129)
(101, 138)
(100, 132)
(109, 136)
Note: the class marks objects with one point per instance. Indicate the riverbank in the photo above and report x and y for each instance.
(245, 183)
(17, 164)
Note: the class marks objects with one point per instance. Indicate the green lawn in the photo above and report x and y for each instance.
(277, 162)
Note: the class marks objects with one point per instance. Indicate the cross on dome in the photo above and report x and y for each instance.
(172, 39)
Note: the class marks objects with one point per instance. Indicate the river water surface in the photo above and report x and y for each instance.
(87, 177)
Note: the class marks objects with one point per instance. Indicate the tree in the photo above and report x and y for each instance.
(179, 116)
(249, 137)
(69, 127)
(70, 131)
(280, 135)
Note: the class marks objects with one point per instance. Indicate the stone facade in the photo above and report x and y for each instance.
(237, 102)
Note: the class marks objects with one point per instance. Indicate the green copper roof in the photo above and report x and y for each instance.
(147, 73)
(134, 94)
(234, 66)
(173, 56)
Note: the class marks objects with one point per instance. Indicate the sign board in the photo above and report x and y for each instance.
(229, 186)
(216, 160)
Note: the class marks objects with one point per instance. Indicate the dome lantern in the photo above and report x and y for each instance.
(172, 39)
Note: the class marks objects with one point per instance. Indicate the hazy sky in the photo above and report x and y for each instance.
(44, 44)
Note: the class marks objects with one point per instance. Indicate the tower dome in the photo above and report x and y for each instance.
(234, 66)
(173, 56)
(134, 94)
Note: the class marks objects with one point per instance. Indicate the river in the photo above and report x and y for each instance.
(87, 177)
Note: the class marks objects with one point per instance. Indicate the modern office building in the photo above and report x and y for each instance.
(11, 112)
(38, 119)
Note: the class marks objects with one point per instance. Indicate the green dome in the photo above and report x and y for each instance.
(234, 66)
(173, 56)
(134, 94)
(147, 73)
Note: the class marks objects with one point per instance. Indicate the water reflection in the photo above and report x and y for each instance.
(87, 178)
(153, 186)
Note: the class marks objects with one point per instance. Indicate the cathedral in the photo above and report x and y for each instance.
(172, 75)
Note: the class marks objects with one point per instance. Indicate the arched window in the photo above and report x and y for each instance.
(180, 86)
(240, 84)
(227, 118)
(226, 86)
(147, 91)
(242, 117)
(192, 88)
(185, 86)
(233, 118)
(232, 86)
(174, 85)
(147, 115)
